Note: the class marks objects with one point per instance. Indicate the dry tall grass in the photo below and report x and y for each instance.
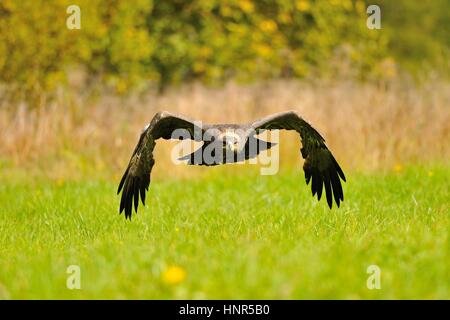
(368, 127)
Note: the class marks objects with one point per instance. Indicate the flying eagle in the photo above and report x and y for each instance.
(233, 139)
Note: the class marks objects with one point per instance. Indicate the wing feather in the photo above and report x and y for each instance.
(328, 190)
(320, 166)
(319, 187)
(136, 178)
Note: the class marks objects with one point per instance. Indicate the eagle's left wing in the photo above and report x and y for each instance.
(320, 164)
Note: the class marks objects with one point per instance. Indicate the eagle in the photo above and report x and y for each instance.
(229, 143)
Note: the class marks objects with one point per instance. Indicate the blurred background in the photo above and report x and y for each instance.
(73, 102)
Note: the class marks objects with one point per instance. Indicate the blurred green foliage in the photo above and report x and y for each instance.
(166, 42)
(245, 39)
(419, 33)
(37, 49)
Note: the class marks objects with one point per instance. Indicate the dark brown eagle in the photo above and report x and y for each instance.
(229, 143)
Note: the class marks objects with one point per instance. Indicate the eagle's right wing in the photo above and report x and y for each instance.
(136, 179)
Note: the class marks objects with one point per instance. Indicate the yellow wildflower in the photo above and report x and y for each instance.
(263, 50)
(173, 275)
(268, 26)
(302, 5)
(60, 182)
(246, 6)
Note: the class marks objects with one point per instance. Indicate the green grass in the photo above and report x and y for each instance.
(235, 237)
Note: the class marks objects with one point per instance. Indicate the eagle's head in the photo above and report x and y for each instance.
(232, 140)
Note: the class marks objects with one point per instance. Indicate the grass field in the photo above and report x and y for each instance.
(229, 236)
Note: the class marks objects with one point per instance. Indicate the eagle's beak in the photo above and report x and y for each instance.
(232, 146)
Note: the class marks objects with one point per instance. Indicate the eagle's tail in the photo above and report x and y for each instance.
(254, 146)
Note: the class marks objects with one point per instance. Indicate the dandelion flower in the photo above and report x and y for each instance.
(173, 275)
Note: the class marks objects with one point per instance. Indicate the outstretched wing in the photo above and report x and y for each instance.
(320, 164)
(136, 179)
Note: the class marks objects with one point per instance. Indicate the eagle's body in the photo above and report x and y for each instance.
(229, 143)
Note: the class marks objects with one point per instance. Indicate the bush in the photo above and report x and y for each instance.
(173, 41)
